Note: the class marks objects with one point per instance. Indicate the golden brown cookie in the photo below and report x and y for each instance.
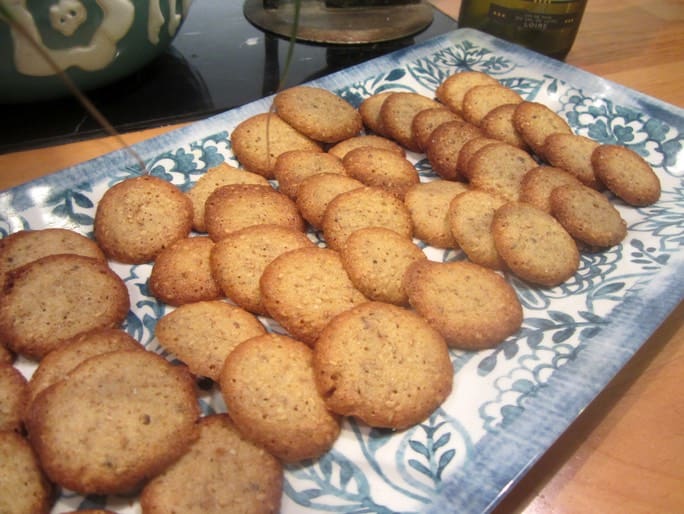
(397, 113)
(23, 485)
(468, 150)
(626, 174)
(304, 289)
(238, 261)
(115, 421)
(222, 473)
(538, 183)
(452, 90)
(572, 153)
(221, 175)
(384, 365)
(364, 207)
(375, 259)
(473, 307)
(181, 272)
(445, 145)
(269, 389)
(470, 219)
(57, 297)
(202, 334)
(426, 121)
(315, 193)
(294, 166)
(343, 147)
(381, 168)
(588, 216)
(428, 204)
(370, 112)
(534, 245)
(499, 169)
(498, 124)
(480, 100)
(13, 398)
(535, 122)
(234, 207)
(139, 217)
(260, 139)
(318, 113)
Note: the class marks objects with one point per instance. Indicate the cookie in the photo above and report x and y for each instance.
(84, 294)
(468, 150)
(538, 183)
(626, 174)
(572, 153)
(318, 113)
(375, 259)
(181, 272)
(294, 166)
(480, 100)
(343, 147)
(238, 261)
(13, 398)
(452, 90)
(445, 144)
(304, 289)
(364, 207)
(381, 168)
(498, 124)
(269, 389)
(473, 307)
(25, 246)
(384, 365)
(535, 122)
(202, 334)
(397, 113)
(6, 356)
(426, 121)
(258, 141)
(370, 108)
(57, 364)
(499, 169)
(222, 472)
(315, 193)
(534, 245)
(428, 205)
(221, 175)
(234, 207)
(23, 485)
(115, 421)
(139, 217)
(588, 216)
(470, 217)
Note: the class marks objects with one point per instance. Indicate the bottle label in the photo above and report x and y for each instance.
(526, 19)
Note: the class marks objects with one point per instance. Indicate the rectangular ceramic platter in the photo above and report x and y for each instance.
(509, 404)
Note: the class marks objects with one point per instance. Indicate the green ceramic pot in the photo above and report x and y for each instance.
(95, 41)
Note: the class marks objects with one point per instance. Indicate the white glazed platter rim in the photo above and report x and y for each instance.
(538, 382)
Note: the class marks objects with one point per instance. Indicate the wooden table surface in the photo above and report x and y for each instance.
(625, 453)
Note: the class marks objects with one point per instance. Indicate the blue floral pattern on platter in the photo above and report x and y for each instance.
(510, 403)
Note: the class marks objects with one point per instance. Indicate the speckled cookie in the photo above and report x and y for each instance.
(315, 193)
(397, 113)
(535, 122)
(452, 90)
(221, 175)
(499, 169)
(138, 217)
(181, 272)
(304, 289)
(384, 365)
(202, 334)
(470, 219)
(234, 207)
(84, 294)
(534, 245)
(375, 259)
(445, 145)
(364, 207)
(473, 307)
(258, 141)
(572, 153)
(428, 204)
(318, 113)
(468, 150)
(13, 398)
(343, 147)
(115, 421)
(269, 389)
(294, 166)
(25, 246)
(238, 261)
(381, 168)
(370, 112)
(538, 183)
(498, 124)
(426, 121)
(23, 485)
(480, 100)
(626, 174)
(222, 472)
(588, 216)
